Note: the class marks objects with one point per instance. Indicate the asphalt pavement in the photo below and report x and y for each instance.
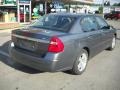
(102, 72)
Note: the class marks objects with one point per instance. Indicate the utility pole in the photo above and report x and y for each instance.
(45, 7)
(18, 11)
(103, 7)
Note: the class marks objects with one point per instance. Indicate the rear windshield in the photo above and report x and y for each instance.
(55, 22)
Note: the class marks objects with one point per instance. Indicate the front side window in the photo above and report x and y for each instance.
(88, 24)
(55, 22)
(102, 23)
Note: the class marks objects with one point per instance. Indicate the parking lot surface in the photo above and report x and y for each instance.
(102, 72)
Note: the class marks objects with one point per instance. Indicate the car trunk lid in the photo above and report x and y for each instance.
(34, 40)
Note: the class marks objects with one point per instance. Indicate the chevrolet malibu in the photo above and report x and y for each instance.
(60, 42)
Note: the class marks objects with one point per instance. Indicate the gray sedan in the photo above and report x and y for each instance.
(62, 41)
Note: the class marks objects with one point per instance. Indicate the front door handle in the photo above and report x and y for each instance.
(90, 37)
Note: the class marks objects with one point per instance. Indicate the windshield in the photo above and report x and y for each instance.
(54, 22)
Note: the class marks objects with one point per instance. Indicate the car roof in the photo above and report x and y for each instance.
(72, 14)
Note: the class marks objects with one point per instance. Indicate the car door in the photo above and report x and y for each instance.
(106, 32)
(92, 34)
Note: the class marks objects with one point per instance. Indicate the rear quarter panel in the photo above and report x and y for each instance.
(73, 43)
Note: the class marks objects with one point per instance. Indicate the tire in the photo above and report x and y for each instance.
(105, 18)
(80, 65)
(113, 44)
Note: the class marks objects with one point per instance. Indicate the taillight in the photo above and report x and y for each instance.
(56, 45)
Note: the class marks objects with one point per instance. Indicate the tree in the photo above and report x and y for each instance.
(116, 4)
(100, 10)
(107, 3)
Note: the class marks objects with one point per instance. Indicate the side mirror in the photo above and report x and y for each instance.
(106, 27)
(111, 26)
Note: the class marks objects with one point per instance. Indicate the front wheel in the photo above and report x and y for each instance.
(81, 63)
(113, 43)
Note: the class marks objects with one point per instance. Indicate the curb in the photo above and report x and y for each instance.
(7, 30)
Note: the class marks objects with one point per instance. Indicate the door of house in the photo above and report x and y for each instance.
(24, 11)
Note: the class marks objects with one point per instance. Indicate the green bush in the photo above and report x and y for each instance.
(101, 10)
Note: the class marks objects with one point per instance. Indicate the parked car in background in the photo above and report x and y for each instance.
(113, 15)
(60, 42)
(116, 15)
(97, 12)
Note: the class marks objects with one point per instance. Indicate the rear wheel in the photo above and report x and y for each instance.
(105, 18)
(81, 63)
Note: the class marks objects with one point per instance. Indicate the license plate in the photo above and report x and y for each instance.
(28, 45)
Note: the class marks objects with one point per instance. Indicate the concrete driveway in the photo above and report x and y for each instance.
(102, 73)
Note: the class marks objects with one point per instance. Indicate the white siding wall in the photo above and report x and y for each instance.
(0, 1)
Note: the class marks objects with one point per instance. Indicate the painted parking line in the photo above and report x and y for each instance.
(4, 53)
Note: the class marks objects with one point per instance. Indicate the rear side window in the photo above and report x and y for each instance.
(102, 23)
(88, 24)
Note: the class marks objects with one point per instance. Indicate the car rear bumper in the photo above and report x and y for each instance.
(41, 64)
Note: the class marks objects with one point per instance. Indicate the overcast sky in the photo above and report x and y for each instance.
(112, 1)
